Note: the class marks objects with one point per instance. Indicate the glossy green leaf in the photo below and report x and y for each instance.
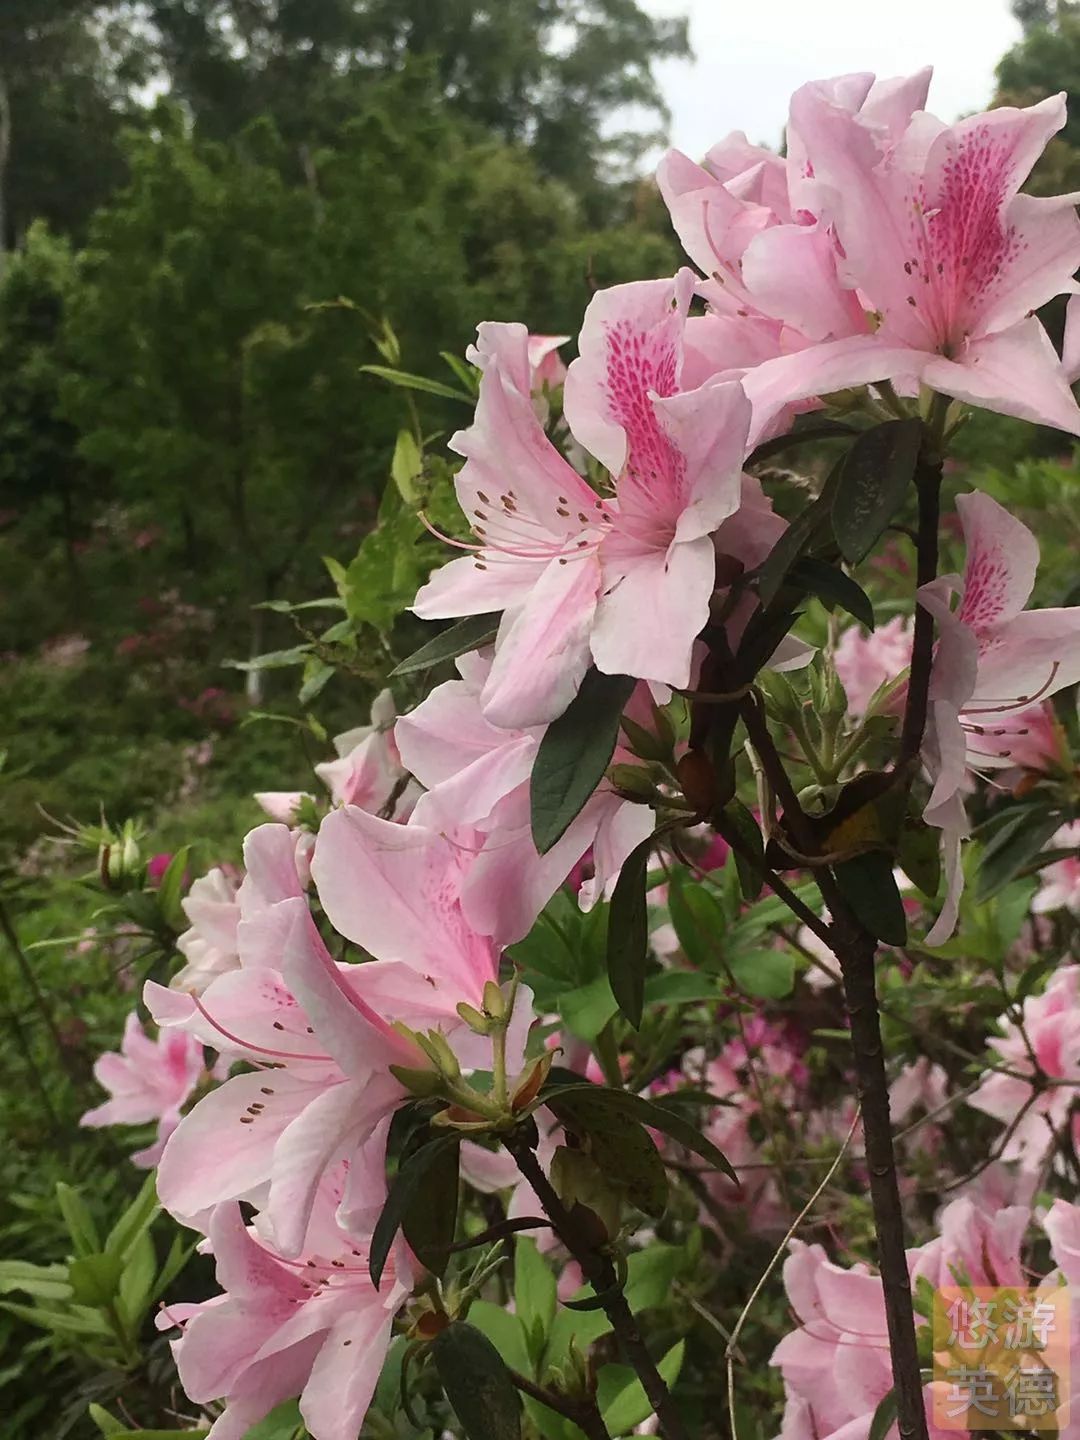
(574, 753)
(628, 934)
(406, 1186)
(621, 1395)
(429, 1219)
(656, 1117)
(137, 1218)
(874, 479)
(459, 639)
(884, 1417)
(751, 876)
(477, 1383)
(1013, 847)
(534, 1286)
(832, 586)
(619, 1144)
(767, 974)
(867, 884)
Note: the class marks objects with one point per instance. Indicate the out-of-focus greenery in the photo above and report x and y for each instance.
(212, 215)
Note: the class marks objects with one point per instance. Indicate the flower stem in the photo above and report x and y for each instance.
(582, 1412)
(599, 1271)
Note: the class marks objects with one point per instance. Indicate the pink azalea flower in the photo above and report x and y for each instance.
(1059, 883)
(1051, 1022)
(546, 365)
(537, 526)
(281, 805)
(368, 768)
(625, 583)
(147, 1080)
(994, 659)
(478, 776)
(313, 1326)
(156, 867)
(270, 1136)
(750, 221)
(209, 946)
(836, 1365)
(865, 660)
(943, 250)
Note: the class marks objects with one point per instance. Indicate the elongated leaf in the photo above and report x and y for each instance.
(806, 435)
(574, 753)
(747, 828)
(273, 659)
(172, 883)
(795, 539)
(628, 934)
(78, 1219)
(1013, 847)
(832, 586)
(768, 974)
(874, 479)
(459, 639)
(884, 1417)
(95, 1279)
(620, 1145)
(867, 884)
(534, 1287)
(45, 1282)
(621, 1395)
(406, 381)
(106, 1423)
(656, 1117)
(406, 1186)
(430, 1217)
(477, 1383)
(64, 1322)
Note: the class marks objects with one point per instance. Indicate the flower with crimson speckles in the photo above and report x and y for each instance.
(947, 259)
(994, 661)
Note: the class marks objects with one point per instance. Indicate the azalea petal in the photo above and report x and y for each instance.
(654, 607)
(1002, 558)
(823, 369)
(542, 650)
(343, 1378)
(222, 1150)
(630, 344)
(1032, 657)
(790, 270)
(395, 890)
(713, 225)
(1016, 372)
(1070, 349)
(336, 1122)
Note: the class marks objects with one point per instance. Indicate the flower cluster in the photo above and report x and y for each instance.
(359, 963)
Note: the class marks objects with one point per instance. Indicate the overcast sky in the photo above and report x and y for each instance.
(751, 54)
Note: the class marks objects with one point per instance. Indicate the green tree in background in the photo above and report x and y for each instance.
(1044, 62)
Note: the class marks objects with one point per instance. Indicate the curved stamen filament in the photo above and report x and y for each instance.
(992, 706)
(251, 1045)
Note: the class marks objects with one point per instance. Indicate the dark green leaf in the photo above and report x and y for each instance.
(574, 753)
(884, 1417)
(168, 891)
(628, 934)
(619, 1145)
(832, 586)
(920, 856)
(656, 1117)
(1013, 847)
(746, 828)
(699, 922)
(459, 639)
(430, 1216)
(407, 1182)
(794, 541)
(874, 479)
(807, 435)
(867, 884)
(477, 1383)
